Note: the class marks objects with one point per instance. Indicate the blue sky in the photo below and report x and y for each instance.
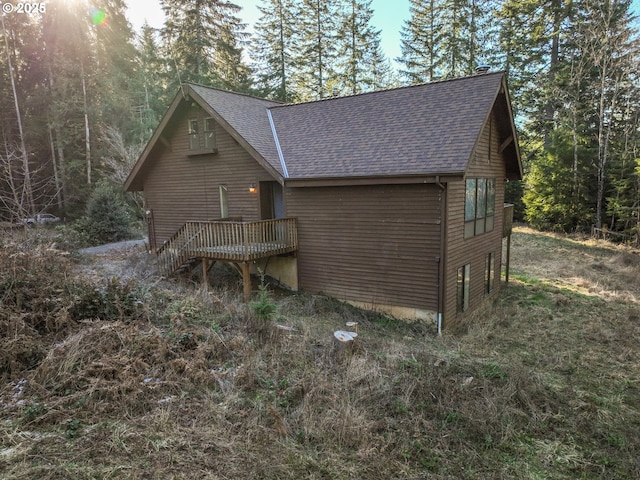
(389, 16)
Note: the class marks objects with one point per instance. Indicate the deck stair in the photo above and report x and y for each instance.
(237, 242)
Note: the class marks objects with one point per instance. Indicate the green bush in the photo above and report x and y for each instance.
(107, 218)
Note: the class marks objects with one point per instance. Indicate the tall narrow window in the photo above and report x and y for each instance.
(479, 206)
(489, 274)
(491, 203)
(224, 205)
(194, 138)
(209, 134)
(470, 208)
(463, 287)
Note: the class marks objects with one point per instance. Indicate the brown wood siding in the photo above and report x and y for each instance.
(488, 163)
(179, 188)
(373, 244)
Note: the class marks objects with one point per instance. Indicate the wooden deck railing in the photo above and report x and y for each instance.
(507, 219)
(228, 241)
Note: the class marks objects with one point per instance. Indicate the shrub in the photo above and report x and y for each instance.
(264, 309)
(107, 219)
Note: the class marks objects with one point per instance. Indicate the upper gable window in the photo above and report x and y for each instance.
(209, 134)
(479, 206)
(201, 136)
(194, 134)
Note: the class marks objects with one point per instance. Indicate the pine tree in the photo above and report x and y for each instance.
(115, 58)
(420, 41)
(314, 63)
(360, 59)
(590, 96)
(70, 69)
(272, 49)
(203, 39)
(606, 41)
(152, 74)
(445, 38)
(531, 37)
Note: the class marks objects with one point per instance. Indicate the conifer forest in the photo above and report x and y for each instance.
(82, 91)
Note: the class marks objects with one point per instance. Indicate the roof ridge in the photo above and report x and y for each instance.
(391, 89)
(232, 92)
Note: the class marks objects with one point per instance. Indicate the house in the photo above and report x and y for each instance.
(390, 200)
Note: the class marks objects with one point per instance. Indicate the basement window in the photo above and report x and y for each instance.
(479, 207)
(463, 288)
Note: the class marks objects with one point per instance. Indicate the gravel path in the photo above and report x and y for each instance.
(109, 247)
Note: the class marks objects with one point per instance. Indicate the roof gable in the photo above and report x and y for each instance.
(243, 116)
(425, 129)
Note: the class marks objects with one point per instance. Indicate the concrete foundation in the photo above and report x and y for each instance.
(283, 269)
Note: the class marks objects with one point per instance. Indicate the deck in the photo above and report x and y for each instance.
(229, 241)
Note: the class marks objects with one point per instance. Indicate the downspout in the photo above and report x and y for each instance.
(441, 258)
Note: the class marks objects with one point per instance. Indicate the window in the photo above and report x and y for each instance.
(224, 205)
(209, 134)
(194, 138)
(489, 273)
(479, 206)
(463, 287)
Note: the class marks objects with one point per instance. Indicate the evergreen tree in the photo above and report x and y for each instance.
(531, 37)
(115, 58)
(203, 42)
(273, 49)
(420, 41)
(455, 40)
(70, 69)
(360, 58)
(229, 66)
(445, 38)
(553, 199)
(153, 97)
(590, 97)
(314, 63)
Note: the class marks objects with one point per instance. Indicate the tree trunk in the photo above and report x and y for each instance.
(320, 46)
(87, 132)
(27, 189)
(56, 173)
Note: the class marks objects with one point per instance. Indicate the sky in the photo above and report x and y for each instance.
(389, 17)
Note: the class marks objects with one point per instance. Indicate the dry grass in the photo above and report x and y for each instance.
(142, 378)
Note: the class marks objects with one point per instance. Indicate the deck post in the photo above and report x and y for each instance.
(205, 273)
(508, 258)
(246, 281)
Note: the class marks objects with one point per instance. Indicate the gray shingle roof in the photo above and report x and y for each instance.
(427, 129)
(421, 129)
(247, 116)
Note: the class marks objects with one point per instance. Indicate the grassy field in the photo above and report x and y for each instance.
(108, 372)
